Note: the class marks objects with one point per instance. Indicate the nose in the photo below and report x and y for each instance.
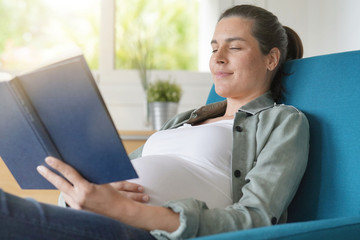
(220, 56)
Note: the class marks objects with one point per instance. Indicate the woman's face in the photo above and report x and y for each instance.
(239, 69)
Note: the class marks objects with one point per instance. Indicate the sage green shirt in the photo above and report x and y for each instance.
(269, 157)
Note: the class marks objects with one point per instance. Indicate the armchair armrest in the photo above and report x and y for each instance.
(336, 228)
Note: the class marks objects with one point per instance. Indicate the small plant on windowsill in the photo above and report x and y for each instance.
(164, 91)
(163, 97)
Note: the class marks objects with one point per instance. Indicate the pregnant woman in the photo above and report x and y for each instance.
(223, 167)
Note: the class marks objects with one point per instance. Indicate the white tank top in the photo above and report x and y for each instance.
(188, 162)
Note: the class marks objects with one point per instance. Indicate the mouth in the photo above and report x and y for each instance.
(222, 74)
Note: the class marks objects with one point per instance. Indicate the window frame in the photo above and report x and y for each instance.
(121, 88)
(107, 45)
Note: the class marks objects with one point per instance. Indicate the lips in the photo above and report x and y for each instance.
(222, 74)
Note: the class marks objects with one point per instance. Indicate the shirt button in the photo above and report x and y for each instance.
(273, 220)
(237, 173)
(238, 129)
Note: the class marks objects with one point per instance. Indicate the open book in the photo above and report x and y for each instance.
(58, 111)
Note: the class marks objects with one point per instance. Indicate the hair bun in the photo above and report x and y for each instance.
(295, 48)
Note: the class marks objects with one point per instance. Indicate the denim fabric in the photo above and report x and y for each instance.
(27, 219)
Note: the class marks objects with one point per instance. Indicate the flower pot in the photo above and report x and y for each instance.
(160, 112)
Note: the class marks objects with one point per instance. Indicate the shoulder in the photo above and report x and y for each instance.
(283, 124)
(283, 114)
(282, 110)
(286, 109)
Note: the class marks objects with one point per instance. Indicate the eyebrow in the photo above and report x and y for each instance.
(230, 40)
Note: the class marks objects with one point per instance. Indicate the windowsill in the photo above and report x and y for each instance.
(133, 135)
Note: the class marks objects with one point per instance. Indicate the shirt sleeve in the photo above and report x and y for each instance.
(270, 185)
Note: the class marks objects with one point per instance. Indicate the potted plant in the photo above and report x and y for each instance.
(163, 97)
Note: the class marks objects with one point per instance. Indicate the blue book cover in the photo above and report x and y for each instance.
(58, 110)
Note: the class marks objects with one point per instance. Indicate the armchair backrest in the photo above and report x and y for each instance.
(327, 89)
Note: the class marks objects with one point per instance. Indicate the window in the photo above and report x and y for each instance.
(164, 31)
(108, 31)
(36, 30)
(39, 29)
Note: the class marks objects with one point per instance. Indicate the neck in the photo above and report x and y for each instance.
(231, 108)
(233, 104)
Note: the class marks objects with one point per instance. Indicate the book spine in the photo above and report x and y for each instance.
(32, 118)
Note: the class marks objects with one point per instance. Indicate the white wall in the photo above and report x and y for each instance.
(209, 12)
(325, 26)
(125, 98)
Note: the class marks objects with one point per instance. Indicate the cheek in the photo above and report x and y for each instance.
(253, 68)
(211, 63)
(259, 64)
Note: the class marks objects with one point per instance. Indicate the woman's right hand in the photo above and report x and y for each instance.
(131, 190)
(115, 201)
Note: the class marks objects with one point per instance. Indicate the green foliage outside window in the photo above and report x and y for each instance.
(163, 30)
(32, 31)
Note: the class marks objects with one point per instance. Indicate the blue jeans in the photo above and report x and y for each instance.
(27, 219)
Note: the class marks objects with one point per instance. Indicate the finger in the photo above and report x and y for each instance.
(66, 170)
(139, 197)
(127, 186)
(56, 180)
(70, 201)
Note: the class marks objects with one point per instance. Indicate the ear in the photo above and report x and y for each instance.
(273, 59)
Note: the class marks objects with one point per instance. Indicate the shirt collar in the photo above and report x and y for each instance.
(259, 104)
(217, 109)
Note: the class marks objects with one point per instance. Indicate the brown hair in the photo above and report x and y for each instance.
(270, 33)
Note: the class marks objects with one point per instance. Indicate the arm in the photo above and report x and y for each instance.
(281, 161)
(106, 200)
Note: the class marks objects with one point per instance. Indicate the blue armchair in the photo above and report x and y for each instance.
(327, 204)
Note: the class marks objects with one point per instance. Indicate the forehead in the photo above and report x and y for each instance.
(233, 27)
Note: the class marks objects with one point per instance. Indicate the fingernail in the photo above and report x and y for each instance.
(145, 198)
(49, 160)
(140, 189)
(40, 169)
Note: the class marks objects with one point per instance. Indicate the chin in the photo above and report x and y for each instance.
(221, 92)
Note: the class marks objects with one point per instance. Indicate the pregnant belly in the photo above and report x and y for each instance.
(172, 178)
